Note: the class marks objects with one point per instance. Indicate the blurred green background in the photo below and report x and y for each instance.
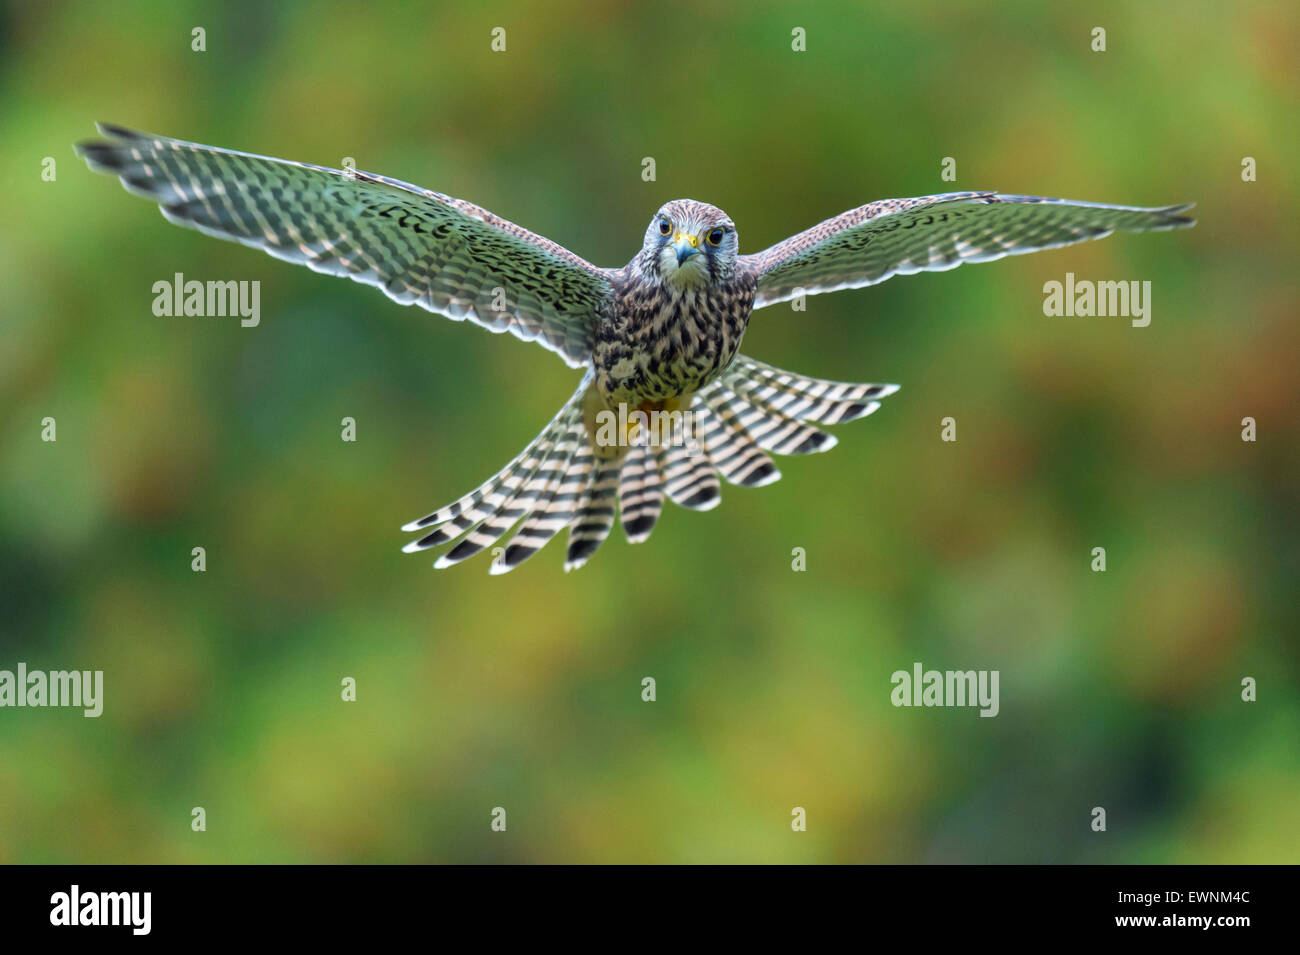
(1118, 689)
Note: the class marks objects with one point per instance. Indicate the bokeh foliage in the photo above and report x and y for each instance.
(1118, 689)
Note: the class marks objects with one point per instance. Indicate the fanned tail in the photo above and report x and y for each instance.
(560, 480)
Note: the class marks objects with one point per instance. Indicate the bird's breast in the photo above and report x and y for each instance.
(661, 342)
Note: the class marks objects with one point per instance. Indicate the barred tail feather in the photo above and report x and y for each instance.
(769, 429)
(547, 460)
(471, 519)
(468, 510)
(640, 494)
(690, 479)
(808, 399)
(595, 514)
(738, 459)
(553, 508)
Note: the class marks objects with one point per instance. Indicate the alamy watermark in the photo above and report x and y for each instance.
(212, 299)
(79, 688)
(653, 429)
(1086, 298)
(921, 687)
(75, 907)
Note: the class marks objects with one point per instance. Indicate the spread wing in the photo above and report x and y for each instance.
(933, 233)
(418, 246)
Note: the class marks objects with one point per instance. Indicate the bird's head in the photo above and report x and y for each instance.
(690, 243)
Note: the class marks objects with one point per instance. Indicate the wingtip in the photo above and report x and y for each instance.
(1174, 218)
(101, 154)
(119, 132)
(97, 154)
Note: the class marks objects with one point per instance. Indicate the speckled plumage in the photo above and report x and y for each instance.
(659, 335)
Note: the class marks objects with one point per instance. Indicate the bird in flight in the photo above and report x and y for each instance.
(667, 403)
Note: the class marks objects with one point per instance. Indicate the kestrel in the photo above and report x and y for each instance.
(658, 338)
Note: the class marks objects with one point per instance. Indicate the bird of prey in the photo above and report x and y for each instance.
(666, 403)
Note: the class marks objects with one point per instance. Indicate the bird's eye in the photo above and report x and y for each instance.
(714, 237)
(665, 227)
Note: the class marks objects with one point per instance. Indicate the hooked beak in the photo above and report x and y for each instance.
(685, 246)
